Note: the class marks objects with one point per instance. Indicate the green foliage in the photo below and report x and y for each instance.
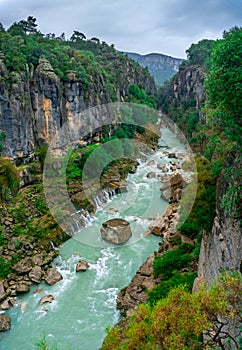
(41, 204)
(138, 95)
(97, 66)
(41, 153)
(5, 267)
(163, 288)
(9, 180)
(1, 138)
(178, 321)
(200, 53)
(42, 344)
(172, 261)
(224, 83)
(203, 210)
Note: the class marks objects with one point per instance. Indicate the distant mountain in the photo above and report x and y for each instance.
(160, 66)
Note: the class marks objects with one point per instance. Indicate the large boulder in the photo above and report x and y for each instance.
(171, 189)
(36, 274)
(116, 231)
(82, 266)
(53, 276)
(5, 323)
(46, 299)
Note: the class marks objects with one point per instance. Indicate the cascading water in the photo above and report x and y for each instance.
(85, 303)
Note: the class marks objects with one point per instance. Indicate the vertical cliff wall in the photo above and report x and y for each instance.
(35, 104)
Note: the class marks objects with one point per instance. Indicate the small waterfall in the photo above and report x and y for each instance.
(76, 224)
(103, 197)
(85, 216)
(105, 194)
(111, 192)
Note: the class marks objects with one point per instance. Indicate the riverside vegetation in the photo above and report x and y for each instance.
(213, 126)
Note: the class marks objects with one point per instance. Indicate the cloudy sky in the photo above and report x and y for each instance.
(165, 26)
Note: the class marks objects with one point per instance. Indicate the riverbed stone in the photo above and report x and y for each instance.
(116, 231)
(151, 175)
(82, 266)
(5, 323)
(47, 299)
(53, 276)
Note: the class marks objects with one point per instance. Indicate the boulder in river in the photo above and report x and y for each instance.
(82, 266)
(151, 175)
(116, 231)
(46, 299)
(53, 276)
(5, 323)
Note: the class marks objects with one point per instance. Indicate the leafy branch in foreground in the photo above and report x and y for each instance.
(179, 321)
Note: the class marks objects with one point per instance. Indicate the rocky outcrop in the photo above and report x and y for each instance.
(52, 276)
(116, 231)
(37, 105)
(172, 187)
(82, 266)
(136, 292)
(221, 248)
(189, 84)
(5, 323)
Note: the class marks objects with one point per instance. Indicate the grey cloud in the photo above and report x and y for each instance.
(143, 26)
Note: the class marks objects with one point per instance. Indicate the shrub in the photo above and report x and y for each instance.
(172, 261)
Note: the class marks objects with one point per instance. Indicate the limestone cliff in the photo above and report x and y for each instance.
(221, 248)
(189, 84)
(35, 103)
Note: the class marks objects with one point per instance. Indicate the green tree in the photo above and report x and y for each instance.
(200, 53)
(224, 86)
(178, 321)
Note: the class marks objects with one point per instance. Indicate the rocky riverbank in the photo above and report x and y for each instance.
(136, 292)
(164, 226)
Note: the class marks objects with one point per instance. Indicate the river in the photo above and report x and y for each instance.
(85, 303)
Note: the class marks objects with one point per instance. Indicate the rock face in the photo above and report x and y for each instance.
(221, 249)
(172, 188)
(35, 107)
(5, 323)
(116, 231)
(189, 84)
(52, 276)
